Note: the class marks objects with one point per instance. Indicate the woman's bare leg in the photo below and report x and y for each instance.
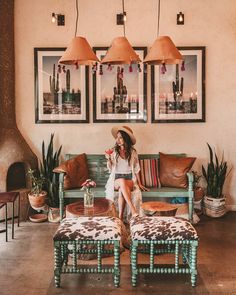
(125, 186)
(121, 205)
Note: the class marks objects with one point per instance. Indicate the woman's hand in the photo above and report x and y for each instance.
(143, 188)
(108, 154)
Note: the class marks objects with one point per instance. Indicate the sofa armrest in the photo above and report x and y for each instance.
(61, 192)
(190, 180)
(190, 192)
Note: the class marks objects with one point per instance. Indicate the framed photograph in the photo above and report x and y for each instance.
(120, 91)
(61, 92)
(178, 95)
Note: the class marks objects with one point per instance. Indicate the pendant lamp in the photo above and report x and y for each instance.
(163, 50)
(78, 52)
(120, 51)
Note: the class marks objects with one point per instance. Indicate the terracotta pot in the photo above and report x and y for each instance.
(198, 193)
(37, 201)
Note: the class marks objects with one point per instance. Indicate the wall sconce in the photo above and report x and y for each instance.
(121, 18)
(180, 18)
(60, 19)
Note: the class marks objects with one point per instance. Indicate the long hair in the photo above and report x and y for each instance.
(128, 146)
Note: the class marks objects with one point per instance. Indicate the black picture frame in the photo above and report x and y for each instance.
(182, 105)
(112, 105)
(61, 93)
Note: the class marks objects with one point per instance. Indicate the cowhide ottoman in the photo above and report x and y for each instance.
(155, 235)
(75, 235)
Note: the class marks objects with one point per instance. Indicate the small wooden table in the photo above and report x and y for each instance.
(102, 207)
(159, 208)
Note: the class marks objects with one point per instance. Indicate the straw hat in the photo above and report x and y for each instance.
(126, 129)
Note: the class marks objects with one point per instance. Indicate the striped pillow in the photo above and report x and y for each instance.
(149, 172)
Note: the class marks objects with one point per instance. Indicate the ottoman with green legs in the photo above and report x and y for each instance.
(155, 235)
(75, 236)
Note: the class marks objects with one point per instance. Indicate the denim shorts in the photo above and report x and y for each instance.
(124, 176)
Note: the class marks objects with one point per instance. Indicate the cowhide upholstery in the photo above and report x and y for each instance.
(89, 228)
(161, 228)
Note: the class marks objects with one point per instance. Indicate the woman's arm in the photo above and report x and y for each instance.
(109, 158)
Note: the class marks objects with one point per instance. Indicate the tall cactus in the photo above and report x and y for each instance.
(215, 175)
(54, 81)
(68, 81)
(178, 86)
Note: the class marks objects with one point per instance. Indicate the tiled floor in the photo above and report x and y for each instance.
(26, 265)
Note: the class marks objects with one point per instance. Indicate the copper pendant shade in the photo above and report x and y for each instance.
(120, 52)
(78, 52)
(163, 51)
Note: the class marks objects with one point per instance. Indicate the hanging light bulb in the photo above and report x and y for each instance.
(78, 52)
(120, 51)
(163, 50)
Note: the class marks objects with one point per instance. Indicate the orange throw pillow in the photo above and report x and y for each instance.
(173, 170)
(76, 170)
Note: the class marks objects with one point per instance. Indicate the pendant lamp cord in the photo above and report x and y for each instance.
(123, 7)
(77, 16)
(158, 17)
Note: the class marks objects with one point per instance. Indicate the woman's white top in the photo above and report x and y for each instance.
(135, 168)
(122, 166)
(136, 195)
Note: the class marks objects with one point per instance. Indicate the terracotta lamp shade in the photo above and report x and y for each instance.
(120, 52)
(78, 52)
(162, 51)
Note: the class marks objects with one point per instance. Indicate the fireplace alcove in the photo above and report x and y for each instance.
(16, 156)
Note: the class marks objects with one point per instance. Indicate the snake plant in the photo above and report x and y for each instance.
(50, 160)
(215, 174)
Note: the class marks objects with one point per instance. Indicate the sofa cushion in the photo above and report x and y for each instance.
(149, 172)
(89, 228)
(161, 228)
(173, 170)
(76, 170)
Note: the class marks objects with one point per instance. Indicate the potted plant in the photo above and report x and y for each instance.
(50, 160)
(37, 196)
(215, 175)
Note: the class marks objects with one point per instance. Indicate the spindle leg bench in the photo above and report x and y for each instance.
(154, 235)
(75, 236)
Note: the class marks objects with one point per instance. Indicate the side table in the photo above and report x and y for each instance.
(159, 208)
(102, 207)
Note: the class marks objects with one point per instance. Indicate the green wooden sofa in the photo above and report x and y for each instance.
(99, 173)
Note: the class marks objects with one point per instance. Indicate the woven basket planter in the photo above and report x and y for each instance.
(214, 207)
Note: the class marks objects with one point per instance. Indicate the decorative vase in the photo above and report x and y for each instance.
(88, 199)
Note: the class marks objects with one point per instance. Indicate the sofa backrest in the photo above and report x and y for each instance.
(98, 168)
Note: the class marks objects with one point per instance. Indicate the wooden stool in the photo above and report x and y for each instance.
(4, 230)
(159, 208)
(154, 235)
(10, 197)
(74, 235)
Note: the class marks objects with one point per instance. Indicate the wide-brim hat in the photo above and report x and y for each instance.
(126, 129)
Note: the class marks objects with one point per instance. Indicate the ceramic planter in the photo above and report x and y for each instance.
(54, 214)
(214, 207)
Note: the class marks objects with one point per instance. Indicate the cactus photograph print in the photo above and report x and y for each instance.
(178, 91)
(61, 91)
(119, 91)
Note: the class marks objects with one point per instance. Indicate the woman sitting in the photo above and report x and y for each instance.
(122, 162)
